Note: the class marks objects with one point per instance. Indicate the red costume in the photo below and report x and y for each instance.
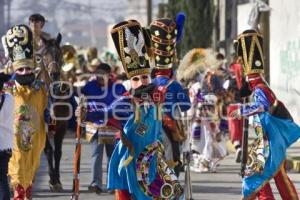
(273, 126)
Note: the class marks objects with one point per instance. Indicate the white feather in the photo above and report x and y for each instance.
(140, 43)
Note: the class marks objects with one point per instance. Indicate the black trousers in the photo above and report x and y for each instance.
(4, 188)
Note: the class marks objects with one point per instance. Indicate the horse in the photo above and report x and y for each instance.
(51, 61)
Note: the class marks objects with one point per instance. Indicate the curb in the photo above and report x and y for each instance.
(293, 163)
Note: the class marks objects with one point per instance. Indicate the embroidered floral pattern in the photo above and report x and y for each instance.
(24, 127)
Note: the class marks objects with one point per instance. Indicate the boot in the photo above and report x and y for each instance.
(19, 193)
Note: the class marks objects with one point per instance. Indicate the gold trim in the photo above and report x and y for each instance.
(248, 60)
(129, 24)
(168, 66)
(261, 53)
(21, 63)
(138, 72)
(122, 54)
(163, 26)
(288, 183)
(248, 34)
(252, 46)
(163, 41)
(163, 53)
(245, 57)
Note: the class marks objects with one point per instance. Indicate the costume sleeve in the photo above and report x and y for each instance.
(119, 110)
(120, 89)
(260, 104)
(178, 96)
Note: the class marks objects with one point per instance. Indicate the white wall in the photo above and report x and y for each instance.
(285, 53)
(284, 50)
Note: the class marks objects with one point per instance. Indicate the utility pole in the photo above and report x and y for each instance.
(265, 30)
(216, 28)
(149, 11)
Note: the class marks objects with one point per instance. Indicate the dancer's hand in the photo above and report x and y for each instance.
(80, 112)
(235, 114)
(81, 109)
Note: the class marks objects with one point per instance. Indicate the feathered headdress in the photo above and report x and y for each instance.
(195, 62)
(180, 18)
(131, 43)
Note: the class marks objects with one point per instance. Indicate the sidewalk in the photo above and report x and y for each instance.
(293, 157)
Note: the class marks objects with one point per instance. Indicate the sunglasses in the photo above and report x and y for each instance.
(24, 69)
(142, 77)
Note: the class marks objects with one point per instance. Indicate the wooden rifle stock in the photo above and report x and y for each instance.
(77, 156)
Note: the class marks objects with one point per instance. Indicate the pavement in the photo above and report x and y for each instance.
(225, 184)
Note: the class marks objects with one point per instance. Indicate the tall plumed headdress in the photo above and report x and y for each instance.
(249, 46)
(195, 62)
(165, 33)
(132, 43)
(19, 43)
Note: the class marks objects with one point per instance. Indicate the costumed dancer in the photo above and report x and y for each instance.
(205, 136)
(30, 103)
(273, 126)
(209, 145)
(165, 33)
(137, 169)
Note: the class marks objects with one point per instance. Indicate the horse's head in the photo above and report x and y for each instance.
(52, 58)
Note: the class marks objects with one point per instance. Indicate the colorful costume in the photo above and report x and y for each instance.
(163, 35)
(29, 124)
(208, 142)
(273, 126)
(206, 139)
(137, 168)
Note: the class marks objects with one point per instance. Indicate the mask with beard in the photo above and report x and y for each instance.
(143, 90)
(26, 79)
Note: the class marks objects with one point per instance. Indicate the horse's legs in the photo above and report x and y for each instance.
(58, 141)
(49, 154)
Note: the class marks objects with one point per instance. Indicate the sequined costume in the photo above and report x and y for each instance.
(137, 169)
(273, 125)
(30, 104)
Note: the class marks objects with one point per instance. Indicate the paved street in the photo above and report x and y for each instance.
(225, 184)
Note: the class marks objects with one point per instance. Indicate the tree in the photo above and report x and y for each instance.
(198, 25)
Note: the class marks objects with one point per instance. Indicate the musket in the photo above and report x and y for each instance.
(244, 142)
(77, 155)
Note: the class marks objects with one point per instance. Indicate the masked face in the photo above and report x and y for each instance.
(26, 79)
(139, 80)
